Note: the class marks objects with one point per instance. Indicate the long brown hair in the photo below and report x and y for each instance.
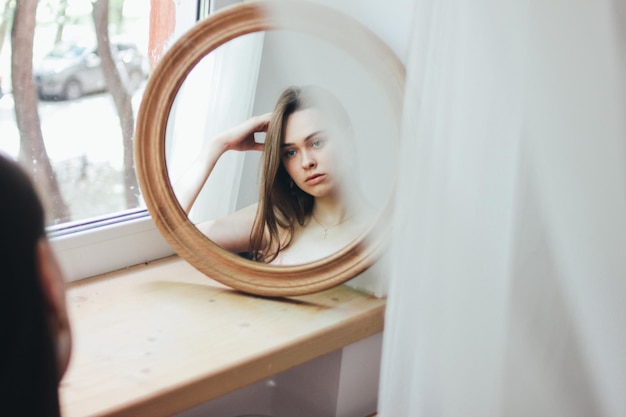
(282, 204)
(28, 369)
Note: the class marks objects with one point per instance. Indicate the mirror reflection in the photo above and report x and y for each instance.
(280, 147)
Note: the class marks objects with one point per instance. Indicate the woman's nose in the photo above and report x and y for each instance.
(308, 161)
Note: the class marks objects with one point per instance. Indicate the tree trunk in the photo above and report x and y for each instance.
(121, 96)
(61, 16)
(33, 153)
(7, 12)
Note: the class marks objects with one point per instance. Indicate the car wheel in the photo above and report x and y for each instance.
(73, 90)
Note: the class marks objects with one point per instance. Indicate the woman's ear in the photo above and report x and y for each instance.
(53, 289)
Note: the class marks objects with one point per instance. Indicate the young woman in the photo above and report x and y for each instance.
(309, 204)
(36, 341)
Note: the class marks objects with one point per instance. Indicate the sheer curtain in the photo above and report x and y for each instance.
(217, 94)
(508, 286)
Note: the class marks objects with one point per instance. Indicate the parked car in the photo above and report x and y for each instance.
(72, 70)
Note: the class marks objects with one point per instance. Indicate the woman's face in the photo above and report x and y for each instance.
(308, 154)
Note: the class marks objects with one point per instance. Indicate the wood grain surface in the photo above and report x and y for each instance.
(157, 339)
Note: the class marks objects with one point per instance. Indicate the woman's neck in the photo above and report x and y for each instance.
(332, 209)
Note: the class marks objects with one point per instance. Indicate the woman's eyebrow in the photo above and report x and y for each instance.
(308, 138)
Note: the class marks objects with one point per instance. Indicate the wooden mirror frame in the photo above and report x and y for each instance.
(150, 159)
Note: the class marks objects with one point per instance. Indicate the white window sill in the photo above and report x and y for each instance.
(161, 338)
(109, 246)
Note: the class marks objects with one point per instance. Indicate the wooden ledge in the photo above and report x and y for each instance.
(157, 339)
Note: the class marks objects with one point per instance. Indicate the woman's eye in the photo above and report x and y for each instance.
(290, 153)
(318, 143)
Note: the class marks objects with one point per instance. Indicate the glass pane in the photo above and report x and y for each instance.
(69, 118)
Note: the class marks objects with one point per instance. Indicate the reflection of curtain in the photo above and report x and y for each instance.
(217, 94)
(508, 289)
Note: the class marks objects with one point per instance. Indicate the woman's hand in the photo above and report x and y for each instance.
(241, 137)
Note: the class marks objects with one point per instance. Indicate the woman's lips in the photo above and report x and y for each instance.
(315, 179)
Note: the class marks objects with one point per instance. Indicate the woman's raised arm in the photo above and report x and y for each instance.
(238, 138)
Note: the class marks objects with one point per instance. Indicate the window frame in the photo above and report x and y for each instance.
(121, 240)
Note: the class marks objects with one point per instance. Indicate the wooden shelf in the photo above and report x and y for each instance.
(157, 339)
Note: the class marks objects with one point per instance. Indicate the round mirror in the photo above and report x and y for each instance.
(233, 68)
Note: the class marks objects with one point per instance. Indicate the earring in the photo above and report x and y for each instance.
(291, 184)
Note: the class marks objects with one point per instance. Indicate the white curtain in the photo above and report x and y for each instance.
(217, 94)
(508, 287)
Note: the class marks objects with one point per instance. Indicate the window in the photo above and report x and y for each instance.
(97, 220)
